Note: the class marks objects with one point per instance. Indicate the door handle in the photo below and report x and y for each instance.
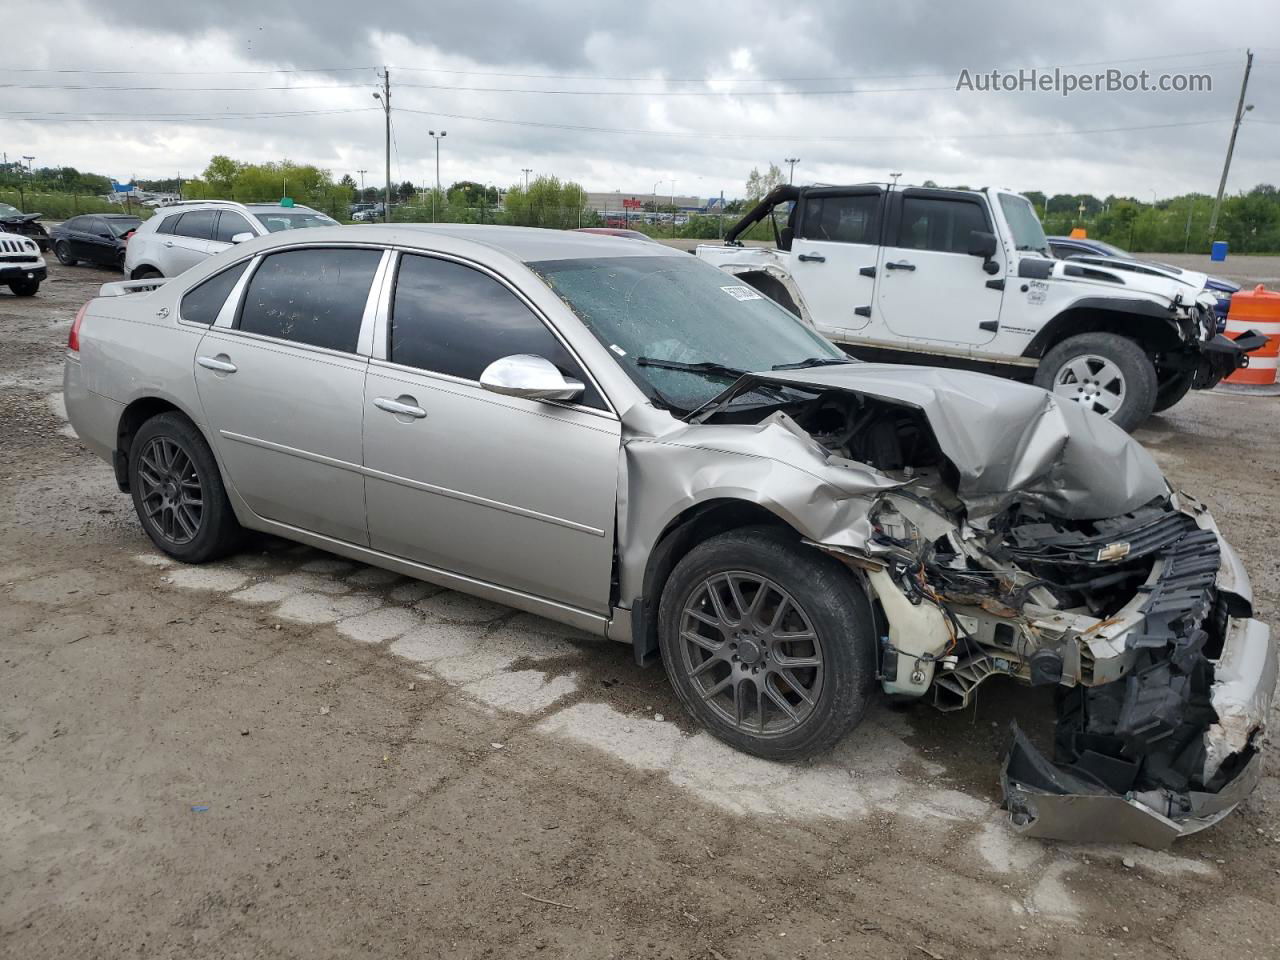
(812, 258)
(900, 265)
(404, 406)
(221, 363)
(168, 243)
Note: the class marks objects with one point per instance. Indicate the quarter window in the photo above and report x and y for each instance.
(230, 224)
(932, 223)
(196, 224)
(168, 223)
(316, 297)
(854, 219)
(449, 318)
(201, 303)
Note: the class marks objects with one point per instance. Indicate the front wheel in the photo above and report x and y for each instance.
(1103, 372)
(768, 643)
(1172, 389)
(24, 288)
(62, 250)
(178, 491)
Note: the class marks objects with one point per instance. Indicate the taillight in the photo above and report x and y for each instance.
(73, 339)
(127, 236)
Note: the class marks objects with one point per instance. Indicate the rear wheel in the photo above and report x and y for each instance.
(24, 288)
(1103, 372)
(178, 491)
(768, 643)
(1173, 388)
(62, 250)
(146, 273)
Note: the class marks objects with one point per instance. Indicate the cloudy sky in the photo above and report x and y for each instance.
(622, 95)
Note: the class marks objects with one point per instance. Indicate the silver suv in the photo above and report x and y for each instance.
(620, 437)
(183, 234)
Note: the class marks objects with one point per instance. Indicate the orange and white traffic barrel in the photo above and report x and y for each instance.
(1258, 309)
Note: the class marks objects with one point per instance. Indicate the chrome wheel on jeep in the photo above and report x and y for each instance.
(1094, 382)
(1105, 373)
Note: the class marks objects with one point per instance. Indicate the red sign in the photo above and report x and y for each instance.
(631, 203)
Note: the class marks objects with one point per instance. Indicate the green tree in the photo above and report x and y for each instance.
(759, 184)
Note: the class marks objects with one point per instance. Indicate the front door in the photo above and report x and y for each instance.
(514, 492)
(283, 389)
(928, 286)
(189, 242)
(834, 257)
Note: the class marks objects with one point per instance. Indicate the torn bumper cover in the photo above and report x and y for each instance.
(1172, 747)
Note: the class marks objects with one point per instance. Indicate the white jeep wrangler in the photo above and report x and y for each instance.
(966, 278)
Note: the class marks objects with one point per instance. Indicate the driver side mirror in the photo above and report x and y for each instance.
(530, 376)
(241, 237)
(983, 244)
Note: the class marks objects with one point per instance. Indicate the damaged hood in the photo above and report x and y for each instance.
(1009, 442)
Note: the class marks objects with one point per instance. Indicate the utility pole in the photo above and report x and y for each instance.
(437, 137)
(792, 175)
(673, 208)
(526, 171)
(362, 173)
(720, 226)
(1231, 144)
(385, 97)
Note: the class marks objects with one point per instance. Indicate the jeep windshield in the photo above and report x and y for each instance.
(681, 329)
(1028, 234)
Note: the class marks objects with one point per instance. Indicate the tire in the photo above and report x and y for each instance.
(62, 250)
(1104, 372)
(712, 684)
(157, 475)
(1173, 389)
(24, 288)
(145, 273)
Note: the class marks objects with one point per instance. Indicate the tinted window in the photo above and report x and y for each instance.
(197, 224)
(168, 223)
(76, 224)
(315, 297)
(931, 223)
(452, 319)
(122, 225)
(96, 226)
(201, 304)
(229, 224)
(842, 219)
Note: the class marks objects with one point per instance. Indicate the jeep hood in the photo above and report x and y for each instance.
(1009, 442)
(1130, 276)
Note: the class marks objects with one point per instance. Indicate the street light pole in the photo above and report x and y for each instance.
(1231, 144)
(673, 208)
(791, 177)
(385, 98)
(362, 173)
(437, 137)
(526, 171)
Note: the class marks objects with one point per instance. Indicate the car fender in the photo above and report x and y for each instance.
(1121, 314)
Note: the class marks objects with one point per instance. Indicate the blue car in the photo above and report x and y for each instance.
(1065, 247)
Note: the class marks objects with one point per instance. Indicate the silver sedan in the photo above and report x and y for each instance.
(619, 437)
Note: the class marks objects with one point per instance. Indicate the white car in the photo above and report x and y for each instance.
(21, 265)
(965, 278)
(184, 234)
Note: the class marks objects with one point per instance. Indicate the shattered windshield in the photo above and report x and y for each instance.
(1028, 234)
(682, 329)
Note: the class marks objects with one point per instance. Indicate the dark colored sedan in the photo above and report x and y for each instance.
(1064, 247)
(94, 238)
(13, 220)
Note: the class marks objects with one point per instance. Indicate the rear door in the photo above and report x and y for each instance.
(928, 286)
(281, 380)
(514, 492)
(834, 256)
(77, 231)
(189, 242)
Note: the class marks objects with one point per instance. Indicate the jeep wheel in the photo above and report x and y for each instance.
(24, 288)
(62, 250)
(1172, 389)
(1103, 372)
(769, 644)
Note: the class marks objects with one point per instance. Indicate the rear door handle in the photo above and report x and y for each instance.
(168, 243)
(812, 258)
(404, 406)
(221, 363)
(900, 265)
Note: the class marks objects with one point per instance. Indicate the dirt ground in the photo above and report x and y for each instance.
(289, 755)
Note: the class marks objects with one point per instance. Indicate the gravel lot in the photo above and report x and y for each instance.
(290, 755)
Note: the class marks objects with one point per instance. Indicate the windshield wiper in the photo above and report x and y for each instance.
(702, 366)
(811, 362)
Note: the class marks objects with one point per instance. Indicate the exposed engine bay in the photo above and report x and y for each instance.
(1141, 622)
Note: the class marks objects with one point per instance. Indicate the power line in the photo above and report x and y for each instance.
(40, 116)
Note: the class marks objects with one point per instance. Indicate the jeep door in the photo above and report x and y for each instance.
(834, 255)
(505, 490)
(928, 285)
(281, 380)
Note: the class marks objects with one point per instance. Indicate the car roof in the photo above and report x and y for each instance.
(527, 244)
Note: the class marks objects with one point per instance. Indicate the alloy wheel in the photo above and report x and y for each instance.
(1094, 382)
(171, 492)
(751, 653)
